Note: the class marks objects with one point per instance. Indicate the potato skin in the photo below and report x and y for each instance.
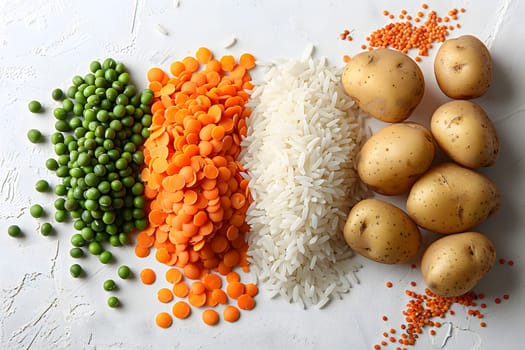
(463, 67)
(450, 198)
(382, 232)
(465, 133)
(452, 265)
(395, 157)
(386, 84)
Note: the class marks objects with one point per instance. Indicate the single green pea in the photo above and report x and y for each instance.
(46, 229)
(36, 210)
(42, 186)
(124, 272)
(77, 240)
(109, 63)
(34, 106)
(88, 234)
(76, 252)
(113, 302)
(14, 231)
(105, 257)
(109, 285)
(62, 125)
(77, 80)
(94, 66)
(95, 248)
(114, 241)
(75, 270)
(57, 94)
(141, 224)
(67, 105)
(51, 164)
(61, 215)
(34, 135)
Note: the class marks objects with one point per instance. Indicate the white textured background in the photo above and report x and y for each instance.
(43, 43)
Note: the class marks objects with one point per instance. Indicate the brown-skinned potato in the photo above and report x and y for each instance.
(386, 84)
(452, 265)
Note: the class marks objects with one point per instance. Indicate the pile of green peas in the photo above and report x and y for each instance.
(101, 124)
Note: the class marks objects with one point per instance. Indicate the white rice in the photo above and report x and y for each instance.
(303, 138)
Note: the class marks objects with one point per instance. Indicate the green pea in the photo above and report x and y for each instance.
(78, 108)
(105, 257)
(75, 270)
(119, 111)
(123, 77)
(67, 105)
(34, 135)
(108, 217)
(109, 285)
(77, 240)
(42, 186)
(89, 79)
(123, 238)
(94, 66)
(51, 164)
(114, 241)
(79, 224)
(62, 125)
(124, 272)
(76, 252)
(34, 106)
(77, 80)
(139, 202)
(109, 63)
(14, 231)
(36, 210)
(95, 248)
(141, 224)
(57, 94)
(60, 148)
(62, 171)
(46, 229)
(113, 302)
(61, 215)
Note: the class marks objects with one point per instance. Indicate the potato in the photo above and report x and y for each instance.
(463, 67)
(386, 84)
(450, 198)
(395, 157)
(465, 133)
(453, 265)
(382, 232)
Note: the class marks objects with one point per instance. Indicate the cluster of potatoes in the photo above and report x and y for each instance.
(449, 198)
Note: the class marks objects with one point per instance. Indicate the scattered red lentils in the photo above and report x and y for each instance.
(389, 284)
(413, 283)
(497, 301)
(405, 35)
(420, 311)
(506, 297)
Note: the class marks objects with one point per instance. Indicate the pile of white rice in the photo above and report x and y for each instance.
(303, 138)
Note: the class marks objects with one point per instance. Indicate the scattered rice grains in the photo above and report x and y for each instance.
(304, 136)
(197, 195)
(410, 32)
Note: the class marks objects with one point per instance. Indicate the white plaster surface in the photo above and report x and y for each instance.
(43, 43)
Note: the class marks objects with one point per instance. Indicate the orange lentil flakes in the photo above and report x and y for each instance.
(197, 198)
(414, 31)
